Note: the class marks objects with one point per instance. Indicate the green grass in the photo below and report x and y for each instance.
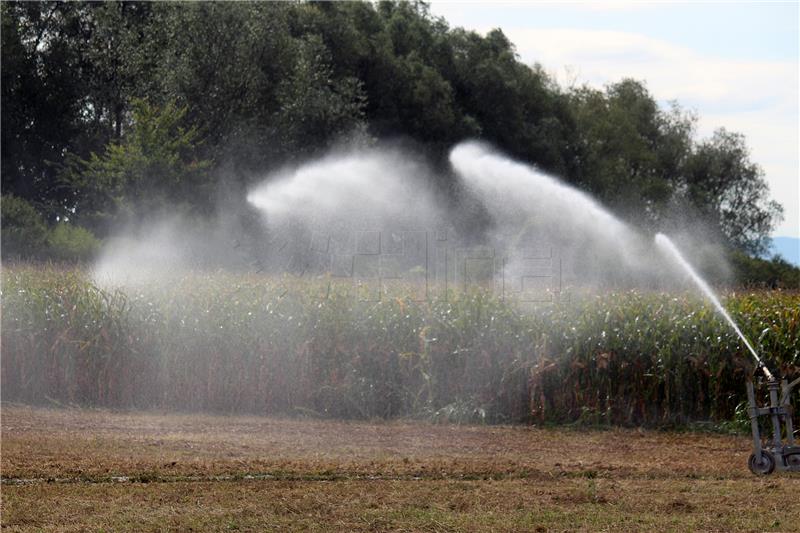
(245, 343)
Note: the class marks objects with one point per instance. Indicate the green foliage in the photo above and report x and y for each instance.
(153, 168)
(514, 106)
(24, 232)
(25, 235)
(71, 243)
(624, 134)
(773, 273)
(259, 344)
(41, 99)
(644, 162)
(314, 106)
(723, 182)
(271, 82)
(740, 423)
(226, 62)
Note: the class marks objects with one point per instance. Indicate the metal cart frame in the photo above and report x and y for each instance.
(775, 454)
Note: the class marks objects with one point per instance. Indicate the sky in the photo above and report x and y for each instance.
(733, 63)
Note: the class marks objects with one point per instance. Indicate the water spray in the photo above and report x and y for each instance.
(668, 246)
(766, 458)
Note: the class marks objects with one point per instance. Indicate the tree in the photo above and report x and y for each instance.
(268, 83)
(41, 98)
(225, 62)
(154, 168)
(756, 272)
(400, 50)
(26, 235)
(24, 232)
(631, 150)
(516, 107)
(119, 52)
(69, 70)
(730, 191)
(314, 107)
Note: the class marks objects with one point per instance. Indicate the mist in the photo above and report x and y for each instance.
(379, 211)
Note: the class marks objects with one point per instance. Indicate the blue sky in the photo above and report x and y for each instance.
(734, 63)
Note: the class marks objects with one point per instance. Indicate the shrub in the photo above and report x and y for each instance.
(772, 273)
(71, 243)
(24, 232)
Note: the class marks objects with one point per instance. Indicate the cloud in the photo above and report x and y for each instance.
(629, 5)
(756, 98)
(673, 71)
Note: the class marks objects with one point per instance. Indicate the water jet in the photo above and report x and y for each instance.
(775, 454)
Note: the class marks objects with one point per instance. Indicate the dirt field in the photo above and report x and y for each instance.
(77, 470)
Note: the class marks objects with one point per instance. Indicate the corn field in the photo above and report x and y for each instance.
(240, 343)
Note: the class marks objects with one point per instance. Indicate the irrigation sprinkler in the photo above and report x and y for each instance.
(776, 453)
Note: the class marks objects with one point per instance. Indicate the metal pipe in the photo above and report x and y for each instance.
(774, 406)
(786, 389)
(763, 367)
(753, 412)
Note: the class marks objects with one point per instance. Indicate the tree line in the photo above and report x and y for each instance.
(113, 110)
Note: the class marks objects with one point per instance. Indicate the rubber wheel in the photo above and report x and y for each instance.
(793, 461)
(763, 467)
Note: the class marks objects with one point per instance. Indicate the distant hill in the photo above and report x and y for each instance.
(786, 247)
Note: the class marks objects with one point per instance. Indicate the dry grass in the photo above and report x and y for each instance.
(201, 472)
